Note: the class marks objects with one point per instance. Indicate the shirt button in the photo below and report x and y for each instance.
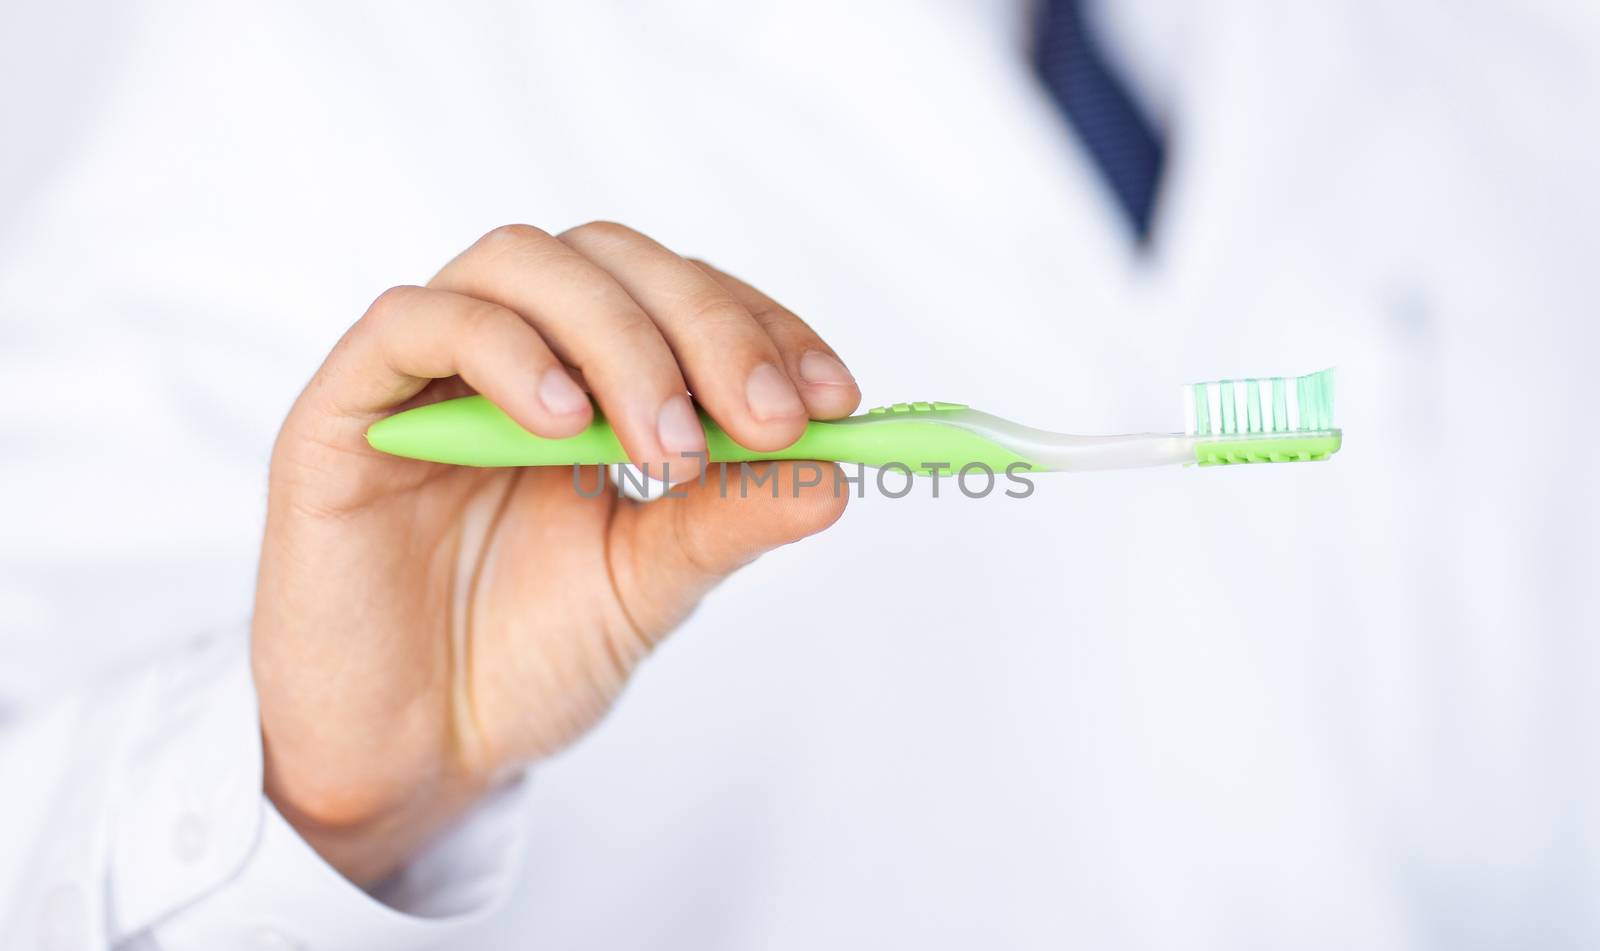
(64, 919)
(189, 838)
(269, 939)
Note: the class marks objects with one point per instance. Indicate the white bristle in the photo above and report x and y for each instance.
(1241, 406)
(1294, 405)
(1214, 406)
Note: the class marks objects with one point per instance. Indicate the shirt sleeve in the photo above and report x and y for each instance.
(140, 821)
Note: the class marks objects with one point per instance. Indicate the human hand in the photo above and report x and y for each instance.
(423, 631)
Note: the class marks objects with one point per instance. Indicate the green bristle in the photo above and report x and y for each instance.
(1252, 396)
(1304, 391)
(1315, 391)
(1326, 379)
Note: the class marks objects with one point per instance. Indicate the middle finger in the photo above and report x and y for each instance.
(733, 366)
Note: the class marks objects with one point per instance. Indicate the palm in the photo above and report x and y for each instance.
(508, 633)
(550, 636)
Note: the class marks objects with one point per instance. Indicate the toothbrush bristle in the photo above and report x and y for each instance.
(1276, 404)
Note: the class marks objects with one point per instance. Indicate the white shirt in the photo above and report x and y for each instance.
(1338, 705)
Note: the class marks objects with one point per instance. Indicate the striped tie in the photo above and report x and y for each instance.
(1123, 142)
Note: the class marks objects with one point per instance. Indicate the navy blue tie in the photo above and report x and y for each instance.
(1123, 142)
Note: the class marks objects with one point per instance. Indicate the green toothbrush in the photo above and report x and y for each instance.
(1274, 419)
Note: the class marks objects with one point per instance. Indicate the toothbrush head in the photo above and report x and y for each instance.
(1272, 419)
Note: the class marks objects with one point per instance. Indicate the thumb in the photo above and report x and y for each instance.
(668, 553)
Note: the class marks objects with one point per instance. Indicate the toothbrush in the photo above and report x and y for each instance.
(1274, 419)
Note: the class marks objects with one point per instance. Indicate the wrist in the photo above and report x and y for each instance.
(366, 831)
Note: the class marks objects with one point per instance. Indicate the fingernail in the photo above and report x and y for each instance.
(771, 395)
(559, 394)
(678, 427)
(819, 367)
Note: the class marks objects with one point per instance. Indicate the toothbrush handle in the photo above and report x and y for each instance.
(471, 431)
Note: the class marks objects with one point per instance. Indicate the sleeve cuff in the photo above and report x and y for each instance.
(201, 859)
(286, 896)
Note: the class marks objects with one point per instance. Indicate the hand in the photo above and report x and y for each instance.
(423, 631)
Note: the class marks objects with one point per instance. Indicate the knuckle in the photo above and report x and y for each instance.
(508, 247)
(710, 311)
(775, 317)
(630, 355)
(515, 236)
(636, 334)
(481, 321)
(391, 303)
(608, 232)
(490, 327)
(692, 547)
(566, 268)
